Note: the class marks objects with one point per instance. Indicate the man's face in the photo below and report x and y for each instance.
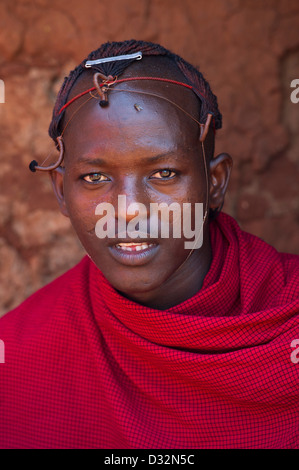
(147, 150)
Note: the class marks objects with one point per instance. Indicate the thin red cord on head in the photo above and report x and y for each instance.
(75, 98)
(109, 83)
(168, 80)
(126, 80)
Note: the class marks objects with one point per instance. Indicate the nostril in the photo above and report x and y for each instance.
(129, 210)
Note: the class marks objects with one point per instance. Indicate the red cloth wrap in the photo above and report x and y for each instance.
(86, 368)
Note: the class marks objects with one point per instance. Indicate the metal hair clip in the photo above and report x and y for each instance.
(90, 63)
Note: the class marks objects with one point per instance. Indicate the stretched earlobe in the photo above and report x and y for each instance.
(220, 170)
(35, 166)
(57, 179)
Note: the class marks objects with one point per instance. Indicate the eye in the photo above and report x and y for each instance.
(95, 178)
(166, 173)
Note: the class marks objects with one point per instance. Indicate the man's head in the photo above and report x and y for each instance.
(144, 146)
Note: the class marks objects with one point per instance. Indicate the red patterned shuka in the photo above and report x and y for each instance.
(87, 368)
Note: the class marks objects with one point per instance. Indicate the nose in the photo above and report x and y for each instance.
(131, 200)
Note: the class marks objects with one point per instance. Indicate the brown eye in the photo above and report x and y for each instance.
(164, 174)
(95, 178)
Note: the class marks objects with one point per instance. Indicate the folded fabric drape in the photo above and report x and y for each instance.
(87, 368)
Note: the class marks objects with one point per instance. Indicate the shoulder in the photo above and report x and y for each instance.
(259, 264)
(53, 300)
(256, 247)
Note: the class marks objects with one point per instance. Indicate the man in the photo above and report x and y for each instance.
(174, 339)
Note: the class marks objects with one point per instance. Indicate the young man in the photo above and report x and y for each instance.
(182, 338)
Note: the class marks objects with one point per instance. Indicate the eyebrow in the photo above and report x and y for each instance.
(85, 159)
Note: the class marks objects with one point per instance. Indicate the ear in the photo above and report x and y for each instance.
(220, 169)
(57, 179)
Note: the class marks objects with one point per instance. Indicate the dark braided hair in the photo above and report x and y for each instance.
(193, 77)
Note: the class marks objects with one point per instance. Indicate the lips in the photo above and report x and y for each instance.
(134, 253)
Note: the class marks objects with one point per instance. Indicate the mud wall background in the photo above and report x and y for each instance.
(247, 49)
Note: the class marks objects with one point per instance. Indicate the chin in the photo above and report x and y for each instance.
(131, 286)
(135, 276)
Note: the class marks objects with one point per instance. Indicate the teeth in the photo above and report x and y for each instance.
(128, 244)
(144, 246)
(134, 246)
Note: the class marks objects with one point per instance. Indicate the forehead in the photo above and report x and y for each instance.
(148, 111)
(132, 124)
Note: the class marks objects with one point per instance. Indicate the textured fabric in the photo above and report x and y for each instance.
(86, 368)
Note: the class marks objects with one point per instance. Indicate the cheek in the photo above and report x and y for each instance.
(81, 211)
